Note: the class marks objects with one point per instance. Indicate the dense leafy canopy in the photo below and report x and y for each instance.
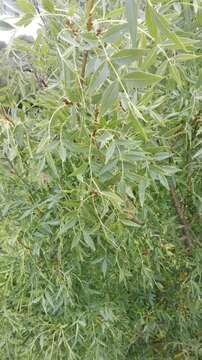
(101, 182)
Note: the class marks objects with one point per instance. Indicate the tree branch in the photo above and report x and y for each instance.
(89, 26)
(186, 227)
(83, 66)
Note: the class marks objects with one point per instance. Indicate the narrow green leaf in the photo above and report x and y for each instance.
(142, 79)
(5, 26)
(127, 56)
(187, 57)
(62, 152)
(169, 170)
(149, 17)
(69, 224)
(114, 198)
(198, 154)
(75, 241)
(26, 6)
(89, 241)
(199, 81)
(114, 33)
(175, 74)
(110, 152)
(143, 184)
(104, 267)
(109, 97)
(150, 59)
(104, 138)
(163, 26)
(68, 37)
(115, 13)
(135, 123)
(48, 5)
(162, 156)
(199, 17)
(190, 44)
(129, 223)
(25, 20)
(163, 181)
(108, 168)
(129, 192)
(98, 79)
(132, 16)
(51, 163)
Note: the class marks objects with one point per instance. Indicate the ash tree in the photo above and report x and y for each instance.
(100, 182)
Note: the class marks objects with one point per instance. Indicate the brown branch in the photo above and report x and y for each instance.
(196, 118)
(83, 66)
(89, 27)
(186, 227)
(132, 217)
(6, 116)
(24, 245)
(42, 82)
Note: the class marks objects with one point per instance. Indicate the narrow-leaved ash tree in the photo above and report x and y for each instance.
(101, 182)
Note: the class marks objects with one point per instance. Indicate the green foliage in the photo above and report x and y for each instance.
(100, 129)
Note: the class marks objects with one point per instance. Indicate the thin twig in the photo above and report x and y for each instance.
(36, 5)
